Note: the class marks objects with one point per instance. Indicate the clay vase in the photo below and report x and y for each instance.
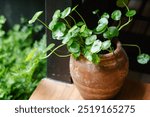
(101, 81)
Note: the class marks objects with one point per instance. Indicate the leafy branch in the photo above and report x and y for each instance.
(80, 40)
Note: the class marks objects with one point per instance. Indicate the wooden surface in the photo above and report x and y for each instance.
(55, 90)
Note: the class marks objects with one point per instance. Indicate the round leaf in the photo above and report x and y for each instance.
(66, 12)
(57, 35)
(59, 30)
(143, 58)
(35, 17)
(86, 33)
(74, 47)
(96, 47)
(111, 32)
(105, 15)
(56, 15)
(90, 40)
(103, 21)
(106, 44)
(101, 28)
(130, 13)
(73, 32)
(120, 3)
(116, 15)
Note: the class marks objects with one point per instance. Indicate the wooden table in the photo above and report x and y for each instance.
(49, 89)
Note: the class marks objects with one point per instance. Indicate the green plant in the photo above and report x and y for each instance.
(91, 43)
(19, 68)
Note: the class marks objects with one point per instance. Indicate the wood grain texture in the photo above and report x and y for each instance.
(55, 90)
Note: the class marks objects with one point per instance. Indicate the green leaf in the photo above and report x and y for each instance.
(59, 30)
(66, 12)
(100, 29)
(95, 58)
(66, 38)
(52, 24)
(102, 25)
(56, 15)
(103, 21)
(16, 27)
(35, 17)
(82, 28)
(88, 55)
(57, 34)
(74, 8)
(49, 47)
(86, 33)
(96, 47)
(143, 58)
(90, 40)
(74, 47)
(73, 28)
(105, 15)
(116, 15)
(111, 32)
(31, 55)
(76, 55)
(79, 24)
(2, 19)
(120, 3)
(106, 44)
(70, 41)
(2, 33)
(73, 32)
(130, 13)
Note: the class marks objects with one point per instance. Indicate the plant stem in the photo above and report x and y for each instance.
(126, 6)
(129, 20)
(73, 19)
(133, 45)
(43, 23)
(53, 51)
(119, 23)
(62, 55)
(67, 23)
(80, 16)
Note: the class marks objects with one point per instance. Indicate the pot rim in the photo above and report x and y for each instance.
(114, 53)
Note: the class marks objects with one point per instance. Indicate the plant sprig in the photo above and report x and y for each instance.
(79, 39)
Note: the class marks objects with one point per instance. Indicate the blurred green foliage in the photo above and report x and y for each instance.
(19, 71)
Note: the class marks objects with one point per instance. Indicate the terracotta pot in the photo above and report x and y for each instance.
(102, 81)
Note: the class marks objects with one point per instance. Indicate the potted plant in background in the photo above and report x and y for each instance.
(98, 63)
